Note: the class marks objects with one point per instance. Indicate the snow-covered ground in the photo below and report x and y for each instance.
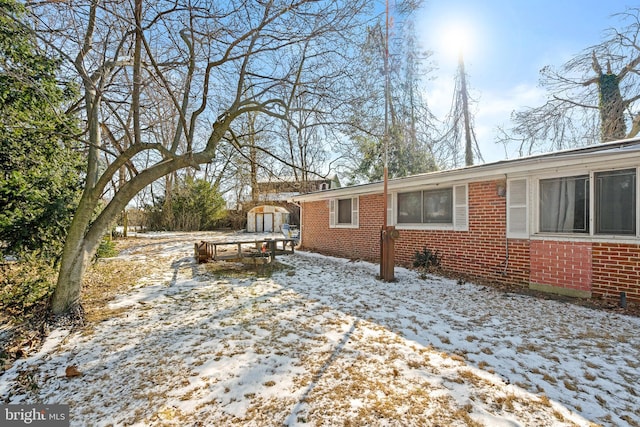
(322, 342)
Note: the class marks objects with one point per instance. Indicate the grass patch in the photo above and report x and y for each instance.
(106, 278)
(570, 386)
(507, 401)
(487, 350)
(548, 378)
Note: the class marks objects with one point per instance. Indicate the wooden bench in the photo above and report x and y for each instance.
(239, 250)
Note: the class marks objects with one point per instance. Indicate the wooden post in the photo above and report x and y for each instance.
(387, 253)
(272, 250)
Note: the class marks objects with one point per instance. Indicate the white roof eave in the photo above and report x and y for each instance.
(560, 161)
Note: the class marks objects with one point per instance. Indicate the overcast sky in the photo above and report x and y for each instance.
(508, 42)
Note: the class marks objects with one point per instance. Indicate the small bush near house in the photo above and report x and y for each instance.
(427, 259)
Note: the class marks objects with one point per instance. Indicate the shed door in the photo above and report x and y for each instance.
(259, 223)
(268, 222)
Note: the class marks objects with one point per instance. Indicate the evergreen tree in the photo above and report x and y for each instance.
(40, 178)
(193, 205)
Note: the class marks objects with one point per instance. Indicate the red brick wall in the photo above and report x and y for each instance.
(355, 243)
(562, 264)
(616, 268)
(480, 252)
(483, 251)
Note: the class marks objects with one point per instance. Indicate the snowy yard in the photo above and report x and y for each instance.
(322, 342)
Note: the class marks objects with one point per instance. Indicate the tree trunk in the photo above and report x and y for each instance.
(78, 252)
(84, 236)
(612, 125)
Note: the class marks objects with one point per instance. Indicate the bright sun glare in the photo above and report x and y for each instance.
(456, 38)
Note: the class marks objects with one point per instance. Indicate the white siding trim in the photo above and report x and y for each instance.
(332, 213)
(517, 208)
(355, 217)
(461, 208)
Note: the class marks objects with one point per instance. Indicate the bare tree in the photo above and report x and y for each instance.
(412, 129)
(592, 97)
(214, 61)
(459, 125)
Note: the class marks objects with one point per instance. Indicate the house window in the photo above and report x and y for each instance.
(564, 205)
(438, 206)
(343, 213)
(615, 202)
(426, 207)
(410, 207)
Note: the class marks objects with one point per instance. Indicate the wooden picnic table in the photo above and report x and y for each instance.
(240, 249)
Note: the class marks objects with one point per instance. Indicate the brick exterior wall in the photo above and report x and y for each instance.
(616, 268)
(478, 253)
(483, 252)
(561, 264)
(353, 243)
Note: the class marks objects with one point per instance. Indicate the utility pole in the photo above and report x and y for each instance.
(388, 233)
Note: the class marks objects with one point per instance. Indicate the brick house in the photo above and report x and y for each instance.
(564, 222)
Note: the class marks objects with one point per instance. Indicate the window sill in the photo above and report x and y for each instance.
(435, 227)
(586, 238)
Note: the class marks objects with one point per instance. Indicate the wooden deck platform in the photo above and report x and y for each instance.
(266, 248)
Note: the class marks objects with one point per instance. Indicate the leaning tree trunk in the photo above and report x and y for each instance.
(77, 255)
(85, 235)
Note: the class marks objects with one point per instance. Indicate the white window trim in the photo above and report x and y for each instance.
(391, 203)
(592, 206)
(333, 214)
(455, 223)
(591, 236)
(535, 203)
(461, 208)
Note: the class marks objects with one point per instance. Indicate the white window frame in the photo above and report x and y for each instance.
(592, 204)
(591, 235)
(460, 211)
(535, 215)
(333, 213)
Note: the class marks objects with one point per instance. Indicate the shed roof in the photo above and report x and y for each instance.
(268, 209)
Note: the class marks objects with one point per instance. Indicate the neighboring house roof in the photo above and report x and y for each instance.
(576, 159)
(293, 179)
(278, 197)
